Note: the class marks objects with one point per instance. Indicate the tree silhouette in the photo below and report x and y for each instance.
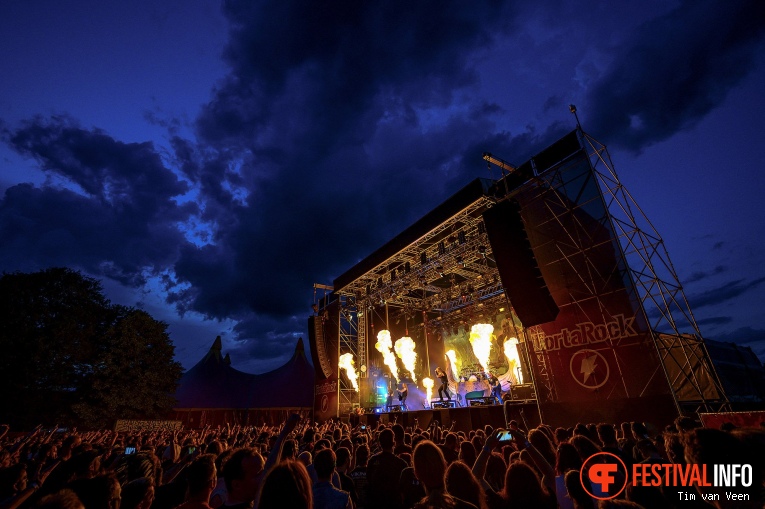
(67, 355)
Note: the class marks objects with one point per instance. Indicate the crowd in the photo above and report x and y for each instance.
(302, 464)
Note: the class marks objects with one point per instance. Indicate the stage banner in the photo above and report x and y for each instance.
(325, 400)
(599, 347)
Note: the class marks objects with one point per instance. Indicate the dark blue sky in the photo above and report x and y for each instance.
(211, 162)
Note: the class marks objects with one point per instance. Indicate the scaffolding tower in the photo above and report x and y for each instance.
(685, 361)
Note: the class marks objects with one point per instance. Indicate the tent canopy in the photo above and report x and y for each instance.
(213, 384)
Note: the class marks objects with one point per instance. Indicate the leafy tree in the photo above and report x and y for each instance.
(68, 355)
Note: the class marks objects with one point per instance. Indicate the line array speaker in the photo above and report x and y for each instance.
(521, 278)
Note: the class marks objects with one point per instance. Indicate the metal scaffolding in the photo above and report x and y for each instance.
(695, 385)
(348, 342)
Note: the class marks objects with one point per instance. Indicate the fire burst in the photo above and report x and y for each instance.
(384, 345)
(405, 351)
(513, 359)
(428, 384)
(480, 338)
(453, 363)
(346, 362)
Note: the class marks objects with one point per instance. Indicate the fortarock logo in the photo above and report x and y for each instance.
(586, 333)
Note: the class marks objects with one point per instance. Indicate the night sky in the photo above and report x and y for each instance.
(209, 163)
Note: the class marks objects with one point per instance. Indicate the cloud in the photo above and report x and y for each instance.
(702, 274)
(336, 127)
(723, 293)
(108, 207)
(715, 320)
(354, 126)
(675, 70)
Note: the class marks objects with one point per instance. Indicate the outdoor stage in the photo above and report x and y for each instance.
(548, 278)
(463, 418)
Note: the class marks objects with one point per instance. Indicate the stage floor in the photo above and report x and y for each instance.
(462, 418)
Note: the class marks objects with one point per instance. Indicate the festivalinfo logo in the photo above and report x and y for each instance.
(608, 476)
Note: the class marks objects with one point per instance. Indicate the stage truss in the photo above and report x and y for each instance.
(450, 271)
(659, 290)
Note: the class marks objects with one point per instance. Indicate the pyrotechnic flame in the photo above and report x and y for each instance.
(428, 384)
(480, 338)
(346, 362)
(453, 364)
(405, 351)
(513, 359)
(384, 346)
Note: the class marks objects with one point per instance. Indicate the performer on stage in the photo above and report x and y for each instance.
(389, 400)
(402, 394)
(496, 388)
(444, 388)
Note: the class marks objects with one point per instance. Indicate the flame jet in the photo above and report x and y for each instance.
(384, 345)
(428, 384)
(405, 350)
(513, 359)
(453, 363)
(480, 338)
(346, 362)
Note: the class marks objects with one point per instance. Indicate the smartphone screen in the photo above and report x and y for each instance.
(129, 450)
(363, 426)
(505, 436)
(192, 450)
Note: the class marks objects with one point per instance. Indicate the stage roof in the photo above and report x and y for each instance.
(444, 260)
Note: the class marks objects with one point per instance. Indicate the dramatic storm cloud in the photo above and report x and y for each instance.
(675, 70)
(333, 127)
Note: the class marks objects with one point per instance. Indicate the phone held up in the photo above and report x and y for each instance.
(505, 436)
